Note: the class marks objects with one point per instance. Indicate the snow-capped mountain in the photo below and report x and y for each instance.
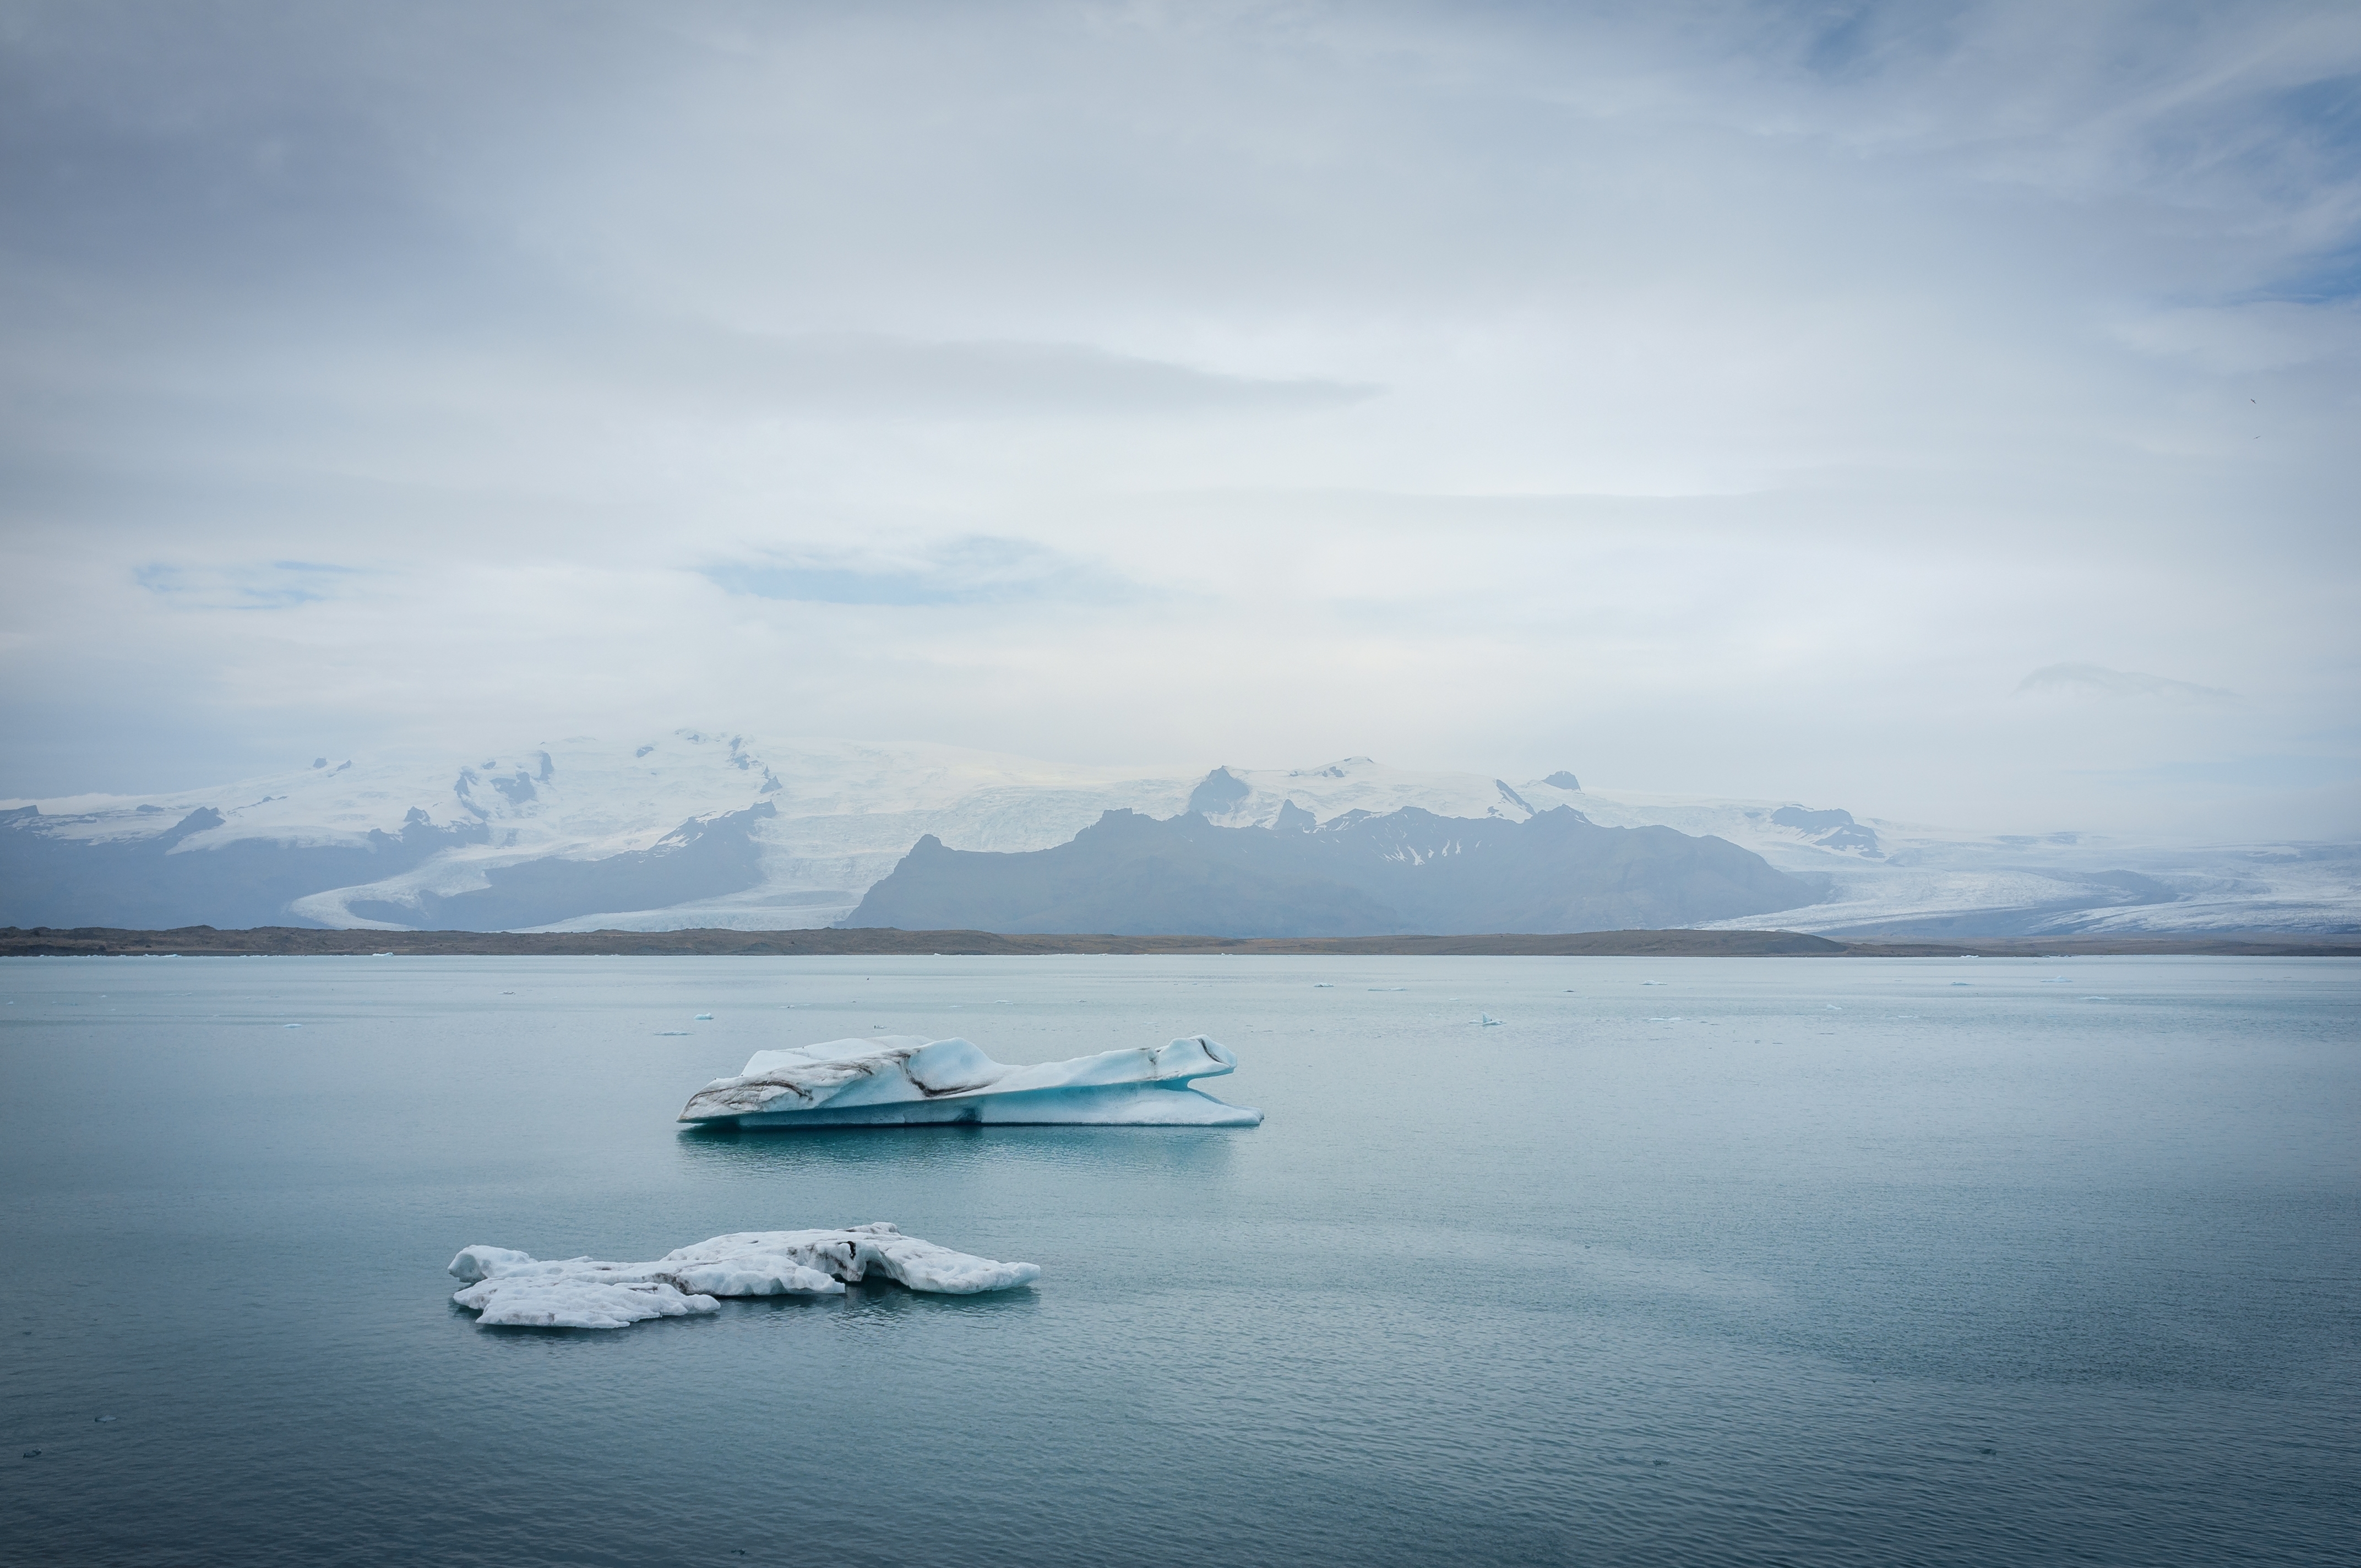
(702, 829)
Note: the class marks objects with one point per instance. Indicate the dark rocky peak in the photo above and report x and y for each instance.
(1293, 819)
(1217, 793)
(1563, 780)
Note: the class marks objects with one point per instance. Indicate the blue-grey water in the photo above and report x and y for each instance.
(1801, 1261)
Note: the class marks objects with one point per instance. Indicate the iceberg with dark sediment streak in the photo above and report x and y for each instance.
(904, 1081)
(514, 1289)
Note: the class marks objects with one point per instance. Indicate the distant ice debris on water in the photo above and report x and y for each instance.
(702, 1018)
(898, 1081)
(514, 1289)
(1486, 1021)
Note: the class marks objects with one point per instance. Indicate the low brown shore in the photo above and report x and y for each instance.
(204, 941)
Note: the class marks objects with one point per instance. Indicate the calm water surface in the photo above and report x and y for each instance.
(1774, 1261)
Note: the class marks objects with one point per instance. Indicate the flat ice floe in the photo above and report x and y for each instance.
(896, 1080)
(514, 1289)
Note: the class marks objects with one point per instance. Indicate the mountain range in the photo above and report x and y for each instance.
(698, 828)
(1407, 872)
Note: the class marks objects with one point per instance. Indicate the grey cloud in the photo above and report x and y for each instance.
(873, 375)
(2097, 680)
(975, 570)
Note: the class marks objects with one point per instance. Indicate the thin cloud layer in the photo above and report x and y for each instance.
(1719, 397)
(2093, 680)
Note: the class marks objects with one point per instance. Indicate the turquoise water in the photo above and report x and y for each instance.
(1804, 1261)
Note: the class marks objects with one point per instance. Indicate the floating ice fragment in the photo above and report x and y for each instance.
(1834, 1008)
(2098, 999)
(1487, 1021)
(514, 1289)
(1390, 988)
(671, 1034)
(291, 1026)
(702, 1018)
(1652, 982)
(907, 1080)
(1323, 985)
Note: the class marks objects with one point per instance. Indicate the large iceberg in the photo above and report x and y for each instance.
(904, 1080)
(514, 1289)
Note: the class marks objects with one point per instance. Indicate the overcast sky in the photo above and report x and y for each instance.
(1948, 411)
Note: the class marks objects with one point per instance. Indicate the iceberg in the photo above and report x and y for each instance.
(515, 1289)
(898, 1080)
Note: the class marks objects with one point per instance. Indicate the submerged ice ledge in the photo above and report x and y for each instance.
(904, 1081)
(513, 1289)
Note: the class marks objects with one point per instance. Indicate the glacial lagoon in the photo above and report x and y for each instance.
(1707, 1261)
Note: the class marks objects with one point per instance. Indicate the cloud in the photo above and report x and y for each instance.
(279, 584)
(2097, 680)
(855, 376)
(1734, 396)
(973, 571)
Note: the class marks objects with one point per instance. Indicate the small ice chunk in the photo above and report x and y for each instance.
(1486, 1021)
(703, 1018)
(515, 1289)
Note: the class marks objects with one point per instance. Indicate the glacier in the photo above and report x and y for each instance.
(515, 1289)
(896, 1081)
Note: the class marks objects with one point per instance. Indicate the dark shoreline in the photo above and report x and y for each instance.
(204, 941)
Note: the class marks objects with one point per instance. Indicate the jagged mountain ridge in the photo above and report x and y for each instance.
(422, 840)
(1408, 871)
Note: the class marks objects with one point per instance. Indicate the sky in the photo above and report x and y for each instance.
(1947, 412)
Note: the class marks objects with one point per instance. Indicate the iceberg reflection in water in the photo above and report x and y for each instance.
(904, 1081)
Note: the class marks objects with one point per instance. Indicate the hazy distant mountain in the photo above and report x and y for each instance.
(698, 828)
(1409, 871)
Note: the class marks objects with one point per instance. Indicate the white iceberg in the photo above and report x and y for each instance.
(514, 1289)
(904, 1080)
